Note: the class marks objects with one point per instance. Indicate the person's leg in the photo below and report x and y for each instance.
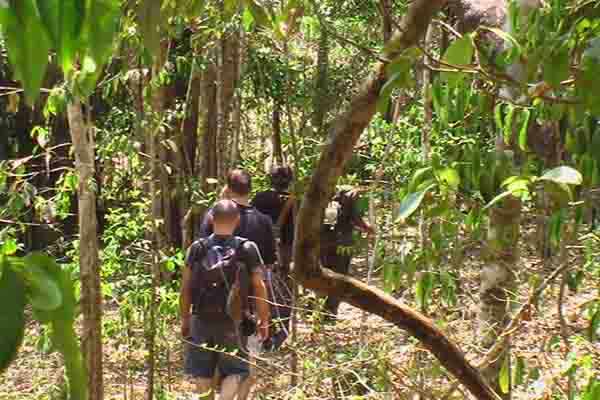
(340, 264)
(205, 388)
(200, 364)
(230, 387)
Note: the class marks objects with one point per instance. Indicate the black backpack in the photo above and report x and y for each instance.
(216, 270)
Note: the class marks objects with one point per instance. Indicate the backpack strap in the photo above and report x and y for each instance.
(243, 278)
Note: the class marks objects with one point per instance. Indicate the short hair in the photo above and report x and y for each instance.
(239, 182)
(281, 176)
(225, 210)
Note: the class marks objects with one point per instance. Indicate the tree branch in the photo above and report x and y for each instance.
(345, 132)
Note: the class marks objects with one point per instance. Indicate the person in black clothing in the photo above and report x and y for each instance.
(278, 204)
(341, 217)
(253, 225)
(213, 317)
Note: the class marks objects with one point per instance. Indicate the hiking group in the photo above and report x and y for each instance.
(235, 293)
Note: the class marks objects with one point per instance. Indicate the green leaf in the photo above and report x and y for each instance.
(411, 203)
(450, 177)
(563, 174)
(508, 123)
(417, 178)
(595, 325)
(12, 315)
(459, 54)
(498, 116)
(63, 20)
(519, 371)
(423, 289)
(28, 44)
(556, 69)
(44, 292)
(524, 130)
(9, 247)
(259, 12)
(498, 198)
(150, 24)
(101, 25)
(504, 377)
(397, 80)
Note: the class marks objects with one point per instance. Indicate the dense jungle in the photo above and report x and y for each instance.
(467, 132)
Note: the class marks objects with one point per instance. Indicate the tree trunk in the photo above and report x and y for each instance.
(387, 30)
(277, 149)
(498, 282)
(427, 98)
(346, 131)
(91, 298)
(209, 162)
(159, 190)
(228, 74)
(321, 94)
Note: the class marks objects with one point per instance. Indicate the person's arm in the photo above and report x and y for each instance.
(268, 250)
(357, 219)
(263, 308)
(185, 300)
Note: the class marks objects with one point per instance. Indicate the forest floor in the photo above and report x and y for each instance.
(337, 361)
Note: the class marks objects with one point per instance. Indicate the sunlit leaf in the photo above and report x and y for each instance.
(411, 203)
(63, 20)
(524, 130)
(458, 54)
(27, 45)
(12, 316)
(504, 377)
(450, 177)
(563, 174)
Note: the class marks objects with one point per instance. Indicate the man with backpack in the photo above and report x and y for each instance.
(222, 273)
(253, 224)
(342, 215)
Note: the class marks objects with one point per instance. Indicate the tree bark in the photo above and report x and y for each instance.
(345, 133)
(387, 28)
(159, 190)
(277, 149)
(321, 84)
(209, 162)
(498, 282)
(228, 79)
(82, 138)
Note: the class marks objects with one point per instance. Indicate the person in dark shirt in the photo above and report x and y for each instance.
(253, 225)
(279, 205)
(215, 321)
(341, 217)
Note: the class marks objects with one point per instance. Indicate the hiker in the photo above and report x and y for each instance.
(279, 205)
(253, 225)
(340, 219)
(221, 272)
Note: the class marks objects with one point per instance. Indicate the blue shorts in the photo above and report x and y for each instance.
(208, 349)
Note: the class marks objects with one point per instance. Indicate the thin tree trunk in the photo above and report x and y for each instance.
(498, 282)
(322, 84)
(91, 298)
(158, 185)
(209, 163)
(427, 98)
(227, 77)
(387, 30)
(277, 149)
